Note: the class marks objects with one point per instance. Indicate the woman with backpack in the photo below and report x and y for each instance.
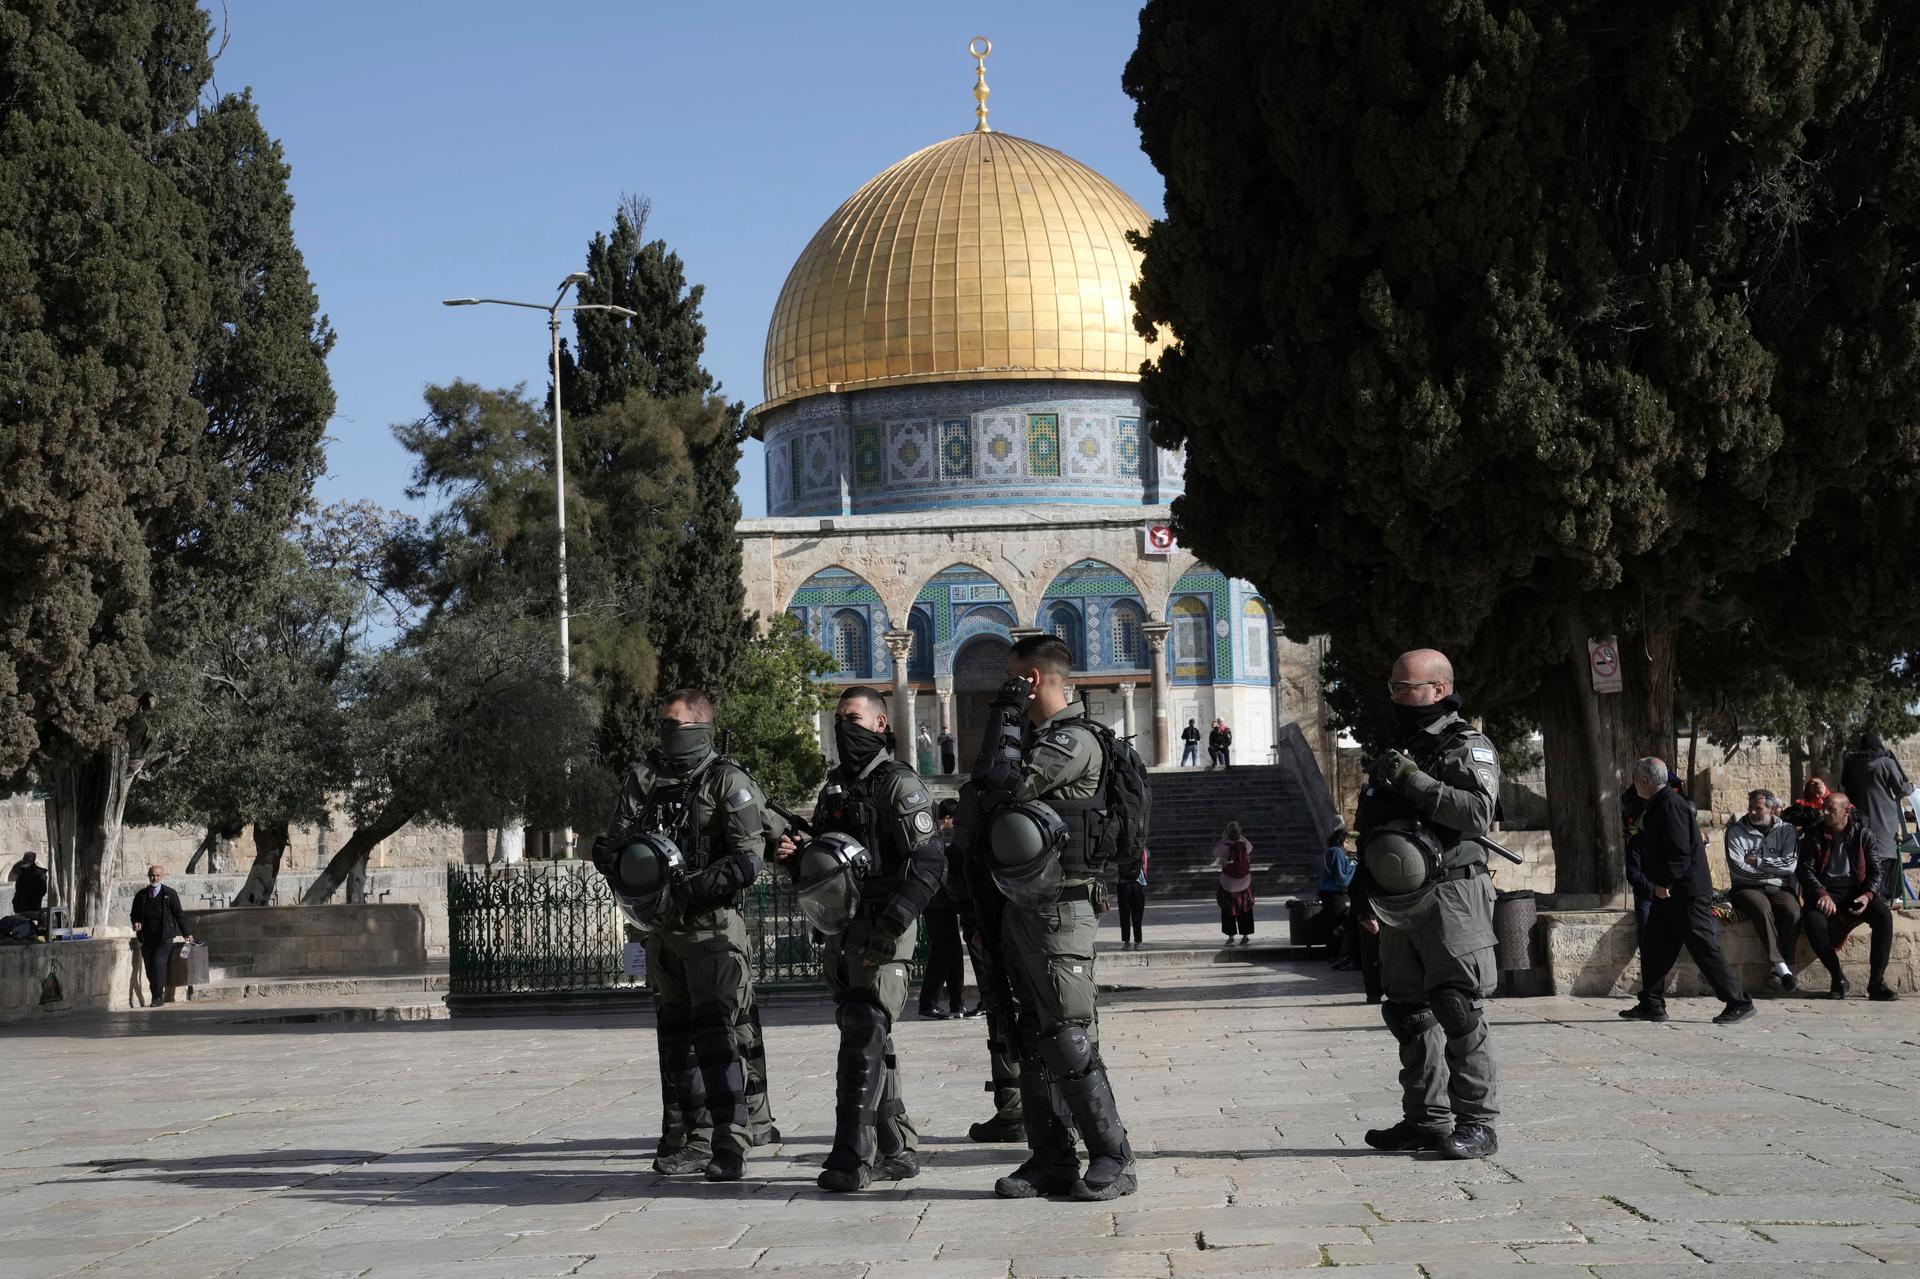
(1234, 853)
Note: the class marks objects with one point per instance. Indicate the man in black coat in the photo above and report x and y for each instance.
(157, 920)
(1674, 859)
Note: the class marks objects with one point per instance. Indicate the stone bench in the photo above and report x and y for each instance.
(293, 941)
(1596, 953)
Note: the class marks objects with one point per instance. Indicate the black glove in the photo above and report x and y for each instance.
(604, 855)
(1011, 701)
(880, 947)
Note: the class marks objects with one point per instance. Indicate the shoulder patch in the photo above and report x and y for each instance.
(1486, 779)
(923, 822)
(1485, 754)
(738, 799)
(1060, 743)
(915, 798)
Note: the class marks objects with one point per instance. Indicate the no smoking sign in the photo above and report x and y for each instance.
(1603, 662)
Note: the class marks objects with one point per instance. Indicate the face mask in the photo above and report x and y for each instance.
(1409, 719)
(684, 746)
(857, 745)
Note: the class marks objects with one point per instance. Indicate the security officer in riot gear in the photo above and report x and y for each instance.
(1423, 885)
(981, 907)
(687, 798)
(874, 862)
(1042, 778)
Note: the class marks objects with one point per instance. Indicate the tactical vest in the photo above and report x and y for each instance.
(1378, 805)
(671, 811)
(855, 810)
(1085, 820)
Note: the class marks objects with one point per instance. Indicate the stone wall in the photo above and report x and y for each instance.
(23, 826)
(298, 941)
(1595, 953)
(424, 888)
(94, 976)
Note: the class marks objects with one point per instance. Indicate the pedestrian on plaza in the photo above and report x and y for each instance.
(946, 963)
(1190, 748)
(868, 914)
(29, 880)
(1336, 877)
(1763, 859)
(923, 751)
(1219, 742)
(1674, 858)
(1131, 892)
(949, 753)
(1423, 885)
(1840, 875)
(1809, 812)
(157, 921)
(1873, 780)
(1233, 853)
(689, 833)
(1062, 797)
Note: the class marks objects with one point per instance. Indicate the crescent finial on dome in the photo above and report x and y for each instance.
(979, 47)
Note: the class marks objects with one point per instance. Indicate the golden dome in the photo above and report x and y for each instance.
(982, 257)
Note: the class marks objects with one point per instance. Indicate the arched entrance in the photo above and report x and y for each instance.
(979, 669)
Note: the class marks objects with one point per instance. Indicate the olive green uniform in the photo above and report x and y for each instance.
(699, 964)
(893, 816)
(1436, 943)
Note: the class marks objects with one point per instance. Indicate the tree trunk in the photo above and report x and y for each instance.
(1591, 742)
(354, 852)
(1796, 766)
(269, 849)
(86, 807)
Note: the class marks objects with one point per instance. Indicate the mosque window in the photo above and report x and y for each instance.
(920, 656)
(1063, 623)
(1192, 639)
(850, 648)
(1129, 647)
(1257, 633)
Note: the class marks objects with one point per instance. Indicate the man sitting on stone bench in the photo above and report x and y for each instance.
(1839, 873)
(1763, 855)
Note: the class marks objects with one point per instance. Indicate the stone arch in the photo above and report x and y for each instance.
(1090, 588)
(826, 599)
(950, 595)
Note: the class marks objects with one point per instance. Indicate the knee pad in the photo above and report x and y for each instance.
(1408, 1022)
(1457, 1011)
(1067, 1051)
(861, 1014)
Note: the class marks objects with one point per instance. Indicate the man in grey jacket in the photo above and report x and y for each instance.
(1872, 778)
(1763, 853)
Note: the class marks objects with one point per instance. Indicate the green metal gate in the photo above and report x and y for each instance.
(540, 928)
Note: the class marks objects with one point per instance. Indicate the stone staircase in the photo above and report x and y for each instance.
(1275, 810)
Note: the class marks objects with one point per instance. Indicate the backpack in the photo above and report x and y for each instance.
(1129, 797)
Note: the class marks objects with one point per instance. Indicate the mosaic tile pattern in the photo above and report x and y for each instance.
(1127, 450)
(866, 456)
(1088, 447)
(819, 451)
(909, 452)
(999, 454)
(1043, 445)
(779, 475)
(1215, 591)
(956, 449)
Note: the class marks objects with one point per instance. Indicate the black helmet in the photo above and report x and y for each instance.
(641, 873)
(827, 876)
(1025, 840)
(1401, 857)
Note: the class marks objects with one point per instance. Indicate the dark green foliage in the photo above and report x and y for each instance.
(658, 350)
(1500, 325)
(770, 710)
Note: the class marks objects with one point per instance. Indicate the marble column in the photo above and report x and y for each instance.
(1156, 633)
(1127, 729)
(943, 703)
(899, 645)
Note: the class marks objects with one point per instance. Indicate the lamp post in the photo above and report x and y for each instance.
(559, 455)
(559, 450)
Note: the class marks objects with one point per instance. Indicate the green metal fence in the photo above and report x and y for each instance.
(545, 927)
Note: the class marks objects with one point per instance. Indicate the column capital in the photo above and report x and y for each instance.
(899, 643)
(943, 685)
(1125, 685)
(1156, 633)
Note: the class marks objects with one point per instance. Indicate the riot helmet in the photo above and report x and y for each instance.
(642, 874)
(1401, 857)
(828, 875)
(1025, 840)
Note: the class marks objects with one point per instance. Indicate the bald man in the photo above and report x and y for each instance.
(157, 920)
(1423, 887)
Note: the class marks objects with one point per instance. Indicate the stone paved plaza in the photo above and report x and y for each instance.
(180, 1143)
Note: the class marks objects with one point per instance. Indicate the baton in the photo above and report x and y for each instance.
(1494, 845)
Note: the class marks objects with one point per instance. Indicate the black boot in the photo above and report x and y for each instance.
(683, 1151)
(1109, 1173)
(1404, 1137)
(1052, 1167)
(1469, 1141)
(898, 1162)
(859, 1084)
(723, 1076)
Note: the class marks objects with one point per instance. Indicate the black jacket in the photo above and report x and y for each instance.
(160, 917)
(1673, 855)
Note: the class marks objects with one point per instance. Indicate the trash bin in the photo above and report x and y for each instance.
(1303, 921)
(1513, 918)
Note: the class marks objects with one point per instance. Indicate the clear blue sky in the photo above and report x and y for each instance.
(451, 148)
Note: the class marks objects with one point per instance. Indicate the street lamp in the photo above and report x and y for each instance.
(559, 454)
(559, 457)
